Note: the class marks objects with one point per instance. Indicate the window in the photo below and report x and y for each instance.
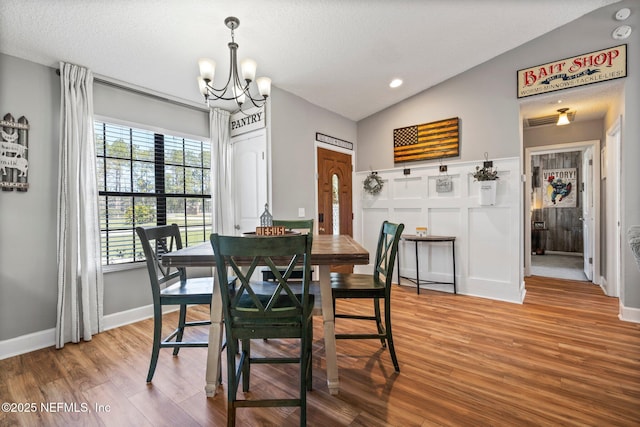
(148, 178)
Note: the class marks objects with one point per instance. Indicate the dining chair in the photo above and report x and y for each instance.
(157, 241)
(259, 310)
(301, 225)
(376, 286)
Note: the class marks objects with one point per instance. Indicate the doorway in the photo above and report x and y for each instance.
(563, 206)
(335, 205)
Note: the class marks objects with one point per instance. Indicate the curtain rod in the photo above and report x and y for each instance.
(111, 83)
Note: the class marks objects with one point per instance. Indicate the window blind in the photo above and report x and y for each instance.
(148, 178)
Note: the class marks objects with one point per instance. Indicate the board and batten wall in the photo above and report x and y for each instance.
(486, 265)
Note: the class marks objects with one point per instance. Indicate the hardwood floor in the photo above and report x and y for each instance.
(561, 358)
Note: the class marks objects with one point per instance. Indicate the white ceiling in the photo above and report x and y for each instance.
(338, 54)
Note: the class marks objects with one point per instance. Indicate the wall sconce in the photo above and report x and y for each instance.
(562, 118)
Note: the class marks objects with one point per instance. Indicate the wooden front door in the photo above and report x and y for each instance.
(335, 209)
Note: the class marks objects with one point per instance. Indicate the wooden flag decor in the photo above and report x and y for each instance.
(428, 141)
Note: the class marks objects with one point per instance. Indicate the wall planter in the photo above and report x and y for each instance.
(488, 193)
(488, 178)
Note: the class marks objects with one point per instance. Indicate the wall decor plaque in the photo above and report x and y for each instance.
(560, 188)
(588, 68)
(14, 163)
(435, 140)
(444, 184)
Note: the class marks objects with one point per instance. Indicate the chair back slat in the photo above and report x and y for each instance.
(387, 251)
(295, 224)
(262, 300)
(157, 241)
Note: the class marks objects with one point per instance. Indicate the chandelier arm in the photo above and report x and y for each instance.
(262, 101)
(219, 93)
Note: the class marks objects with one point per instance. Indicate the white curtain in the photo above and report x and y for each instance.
(80, 286)
(221, 175)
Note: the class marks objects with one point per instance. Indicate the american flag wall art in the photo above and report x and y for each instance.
(427, 141)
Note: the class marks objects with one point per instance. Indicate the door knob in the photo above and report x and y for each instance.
(237, 227)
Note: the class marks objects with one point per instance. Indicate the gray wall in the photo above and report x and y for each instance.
(28, 270)
(579, 131)
(485, 99)
(294, 123)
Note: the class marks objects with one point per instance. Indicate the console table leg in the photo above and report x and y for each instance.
(453, 250)
(417, 269)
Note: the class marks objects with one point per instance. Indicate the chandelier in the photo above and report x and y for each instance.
(236, 88)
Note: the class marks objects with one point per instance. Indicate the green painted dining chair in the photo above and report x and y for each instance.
(376, 286)
(262, 310)
(170, 286)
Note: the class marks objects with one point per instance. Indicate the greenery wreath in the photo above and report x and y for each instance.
(373, 183)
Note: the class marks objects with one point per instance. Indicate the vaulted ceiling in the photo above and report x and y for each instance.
(337, 54)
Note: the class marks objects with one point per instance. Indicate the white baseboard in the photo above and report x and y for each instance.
(47, 338)
(629, 314)
(580, 254)
(27, 343)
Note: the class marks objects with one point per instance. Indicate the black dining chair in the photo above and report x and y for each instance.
(260, 310)
(376, 286)
(170, 286)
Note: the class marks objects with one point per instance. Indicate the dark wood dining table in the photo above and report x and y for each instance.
(327, 250)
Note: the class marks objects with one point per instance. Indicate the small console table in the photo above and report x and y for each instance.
(429, 239)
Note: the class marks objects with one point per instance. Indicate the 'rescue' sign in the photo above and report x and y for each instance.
(246, 122)
(593, 67)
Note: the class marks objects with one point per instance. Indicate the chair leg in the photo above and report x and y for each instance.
(305, 374)
(232, 382)
(246, 366)
(392, 349)
(157, 339)
(181, 321)
(376, 307)
(308, 372)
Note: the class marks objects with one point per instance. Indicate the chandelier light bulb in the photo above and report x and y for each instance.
(264, 86)
(239, 94)
(207, 69)
(248, 67)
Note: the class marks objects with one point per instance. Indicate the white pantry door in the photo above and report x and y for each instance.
(249, 179)
(587, 211)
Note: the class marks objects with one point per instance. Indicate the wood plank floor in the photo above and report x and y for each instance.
(561, 358)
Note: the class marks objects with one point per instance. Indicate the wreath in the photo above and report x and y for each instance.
(373, 183)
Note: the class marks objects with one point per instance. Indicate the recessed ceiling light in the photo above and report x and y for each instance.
(622, 32)
(623, 14)
(395, 83)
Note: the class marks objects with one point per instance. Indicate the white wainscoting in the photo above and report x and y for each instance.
(488, 249)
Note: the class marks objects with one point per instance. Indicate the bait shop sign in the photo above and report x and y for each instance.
(594, 67)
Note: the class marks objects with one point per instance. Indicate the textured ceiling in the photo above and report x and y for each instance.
(337, 54)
